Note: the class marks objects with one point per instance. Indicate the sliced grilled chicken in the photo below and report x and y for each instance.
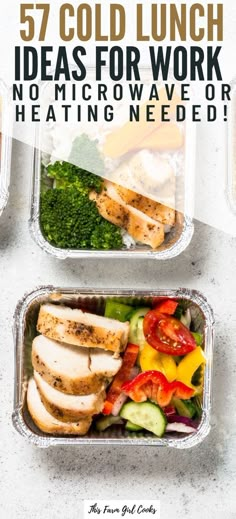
(48, 423)
(68, 408)
(67, 368)
(159, 212)
(103, 363)
(140, 226)
(82, 329)
(64, 367)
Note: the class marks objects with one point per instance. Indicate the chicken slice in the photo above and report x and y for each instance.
(67, 368)
(68, 408)
(48, 423)
(103, 363)
(140, 226)
(64, 367)
(79, 328)
(158, 212)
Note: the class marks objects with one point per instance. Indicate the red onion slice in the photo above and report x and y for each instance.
(181, 424)
(175, 418)
(119, 404)
(179, 427)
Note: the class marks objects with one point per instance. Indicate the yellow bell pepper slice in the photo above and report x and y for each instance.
(169, 366)
(187, 367)
(152, 359)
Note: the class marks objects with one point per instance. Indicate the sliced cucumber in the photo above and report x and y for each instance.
(107, 421)
(147, 415)
(136, 335)
(133, 427)
(184, 407)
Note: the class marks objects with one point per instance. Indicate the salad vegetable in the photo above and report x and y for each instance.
(115, 397)
(146, 415)
(169, 410)
(152, 359)
(166, 334)
(182, 419)
(133, 427)
(189, 365)
(168, 306)
(105, 422)
(119, 311)
(185, 407)
(154, 386)
(186, 318)
(136, 334)
(198, 338)
(181, 424)
(197, 401)
(161, 391)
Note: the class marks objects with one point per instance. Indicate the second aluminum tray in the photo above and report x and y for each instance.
(175, 241)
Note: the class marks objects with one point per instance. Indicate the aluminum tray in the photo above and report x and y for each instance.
(25, 330)
(5, 161)
(231, 145)
(175, 242)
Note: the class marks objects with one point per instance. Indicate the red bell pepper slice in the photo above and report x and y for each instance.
(115, 392)
(168, 306)
(167, 334)
(153, 385)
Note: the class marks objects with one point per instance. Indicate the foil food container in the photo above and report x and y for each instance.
(175, 241)
(25, 320)
(231, 145)
(5, 146)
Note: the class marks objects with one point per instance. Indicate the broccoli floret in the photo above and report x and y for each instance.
(66, 175)
(106, 236)
(69, 219)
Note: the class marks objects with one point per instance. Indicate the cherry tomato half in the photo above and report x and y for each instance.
(167, 334)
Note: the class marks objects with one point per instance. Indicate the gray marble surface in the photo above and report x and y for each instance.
(51, 483)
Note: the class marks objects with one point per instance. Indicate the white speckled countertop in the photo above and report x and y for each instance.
(48, 484)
